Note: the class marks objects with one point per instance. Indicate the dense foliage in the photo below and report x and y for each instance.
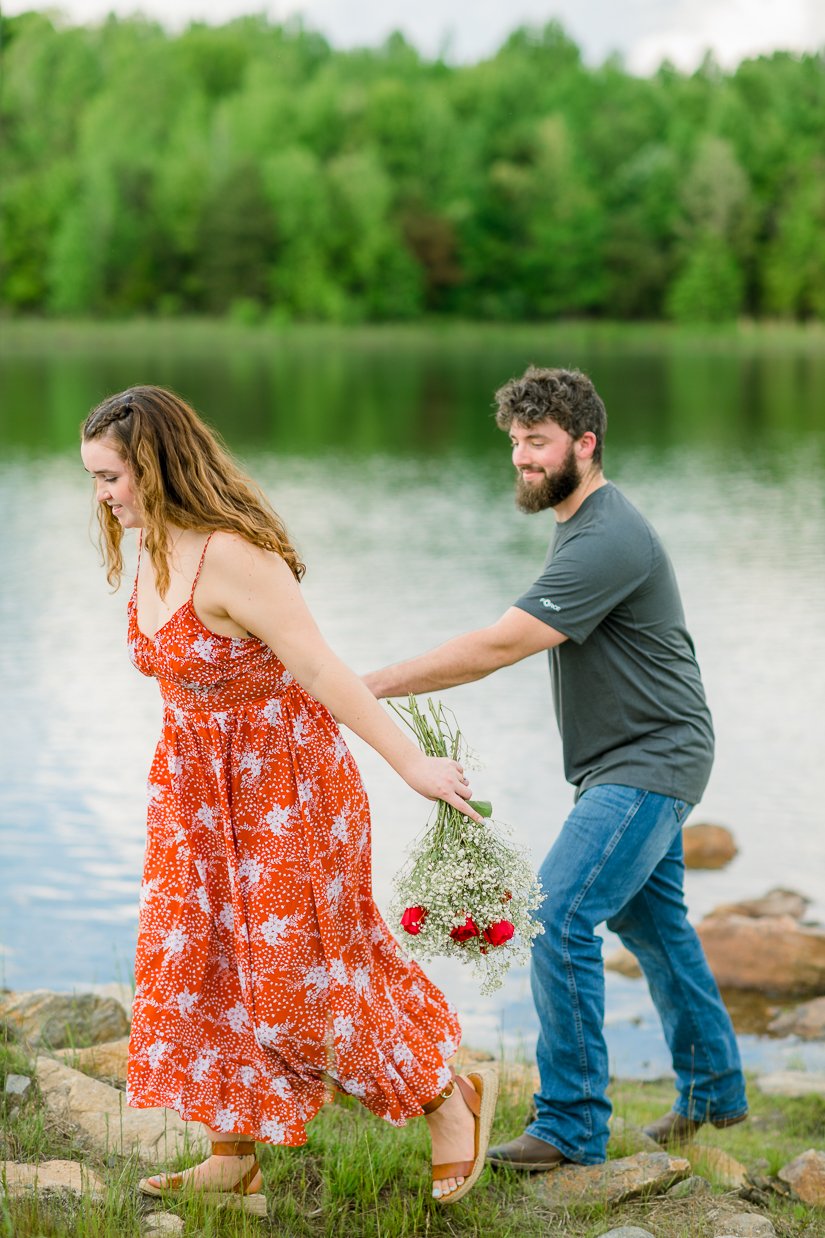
(252, 169)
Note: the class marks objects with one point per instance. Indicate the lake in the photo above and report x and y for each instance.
(378, 448)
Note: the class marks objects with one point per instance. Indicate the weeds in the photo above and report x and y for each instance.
(359, 1178)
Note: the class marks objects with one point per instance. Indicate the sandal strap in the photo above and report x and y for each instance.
(438, 1100)
(240, 1188)
(452, 1169)
(471, 1097)
(237, 1147)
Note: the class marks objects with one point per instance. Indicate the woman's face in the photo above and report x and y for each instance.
(113, 481)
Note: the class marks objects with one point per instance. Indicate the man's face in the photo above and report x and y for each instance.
(547, 471)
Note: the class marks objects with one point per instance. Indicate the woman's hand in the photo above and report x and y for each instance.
(440, 778)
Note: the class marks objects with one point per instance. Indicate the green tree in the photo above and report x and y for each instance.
(715, 231)
(794, 263)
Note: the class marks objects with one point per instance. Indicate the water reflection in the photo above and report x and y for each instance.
(405, 547)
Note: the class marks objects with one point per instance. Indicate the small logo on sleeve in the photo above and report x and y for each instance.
(548, 605)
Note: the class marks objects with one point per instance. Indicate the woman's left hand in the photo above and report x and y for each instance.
(441, 778)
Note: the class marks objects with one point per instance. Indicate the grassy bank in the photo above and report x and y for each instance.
(358, 1177)
(35, 335)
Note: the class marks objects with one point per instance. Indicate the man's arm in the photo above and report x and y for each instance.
(465, 658)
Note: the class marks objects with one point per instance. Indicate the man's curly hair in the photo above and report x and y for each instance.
(567, 397)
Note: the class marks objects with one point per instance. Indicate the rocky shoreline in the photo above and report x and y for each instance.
(82, 1089)
(75, 1047)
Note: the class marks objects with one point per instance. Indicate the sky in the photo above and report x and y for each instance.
(644, 32)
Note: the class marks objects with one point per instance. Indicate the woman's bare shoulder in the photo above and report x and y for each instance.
(232, 553)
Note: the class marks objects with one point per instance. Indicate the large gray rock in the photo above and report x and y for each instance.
(627, 1231)
(775, 954)
(645, 1173)
(54, 1020)
(164, 1223)
(805, 1175)
(101, 1113)
(792, 1083)
(748, 1225)
(23, 1178)
(806, 1021)
(17, 1086)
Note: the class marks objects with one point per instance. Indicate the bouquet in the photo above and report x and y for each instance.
(466, 891)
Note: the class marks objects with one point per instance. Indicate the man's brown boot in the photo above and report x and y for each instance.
(527, 1153)
(673, 1128)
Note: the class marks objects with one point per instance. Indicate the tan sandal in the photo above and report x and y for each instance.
(479, 1090)
(245, 1195)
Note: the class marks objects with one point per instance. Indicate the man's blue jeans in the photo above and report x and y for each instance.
(619, 859)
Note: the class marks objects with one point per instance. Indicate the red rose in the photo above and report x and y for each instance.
(412, 920)
(499, 932)
(463, 932)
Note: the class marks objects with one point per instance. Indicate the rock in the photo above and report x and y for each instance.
(805, 1175)
(750, 1011)
(20, 1178)
(58, 1019)
(777, 902)
(720, 1165)
(775, 954)
(164, 1223)
(792, 1083)
(708, 846)
(806, 1021)
(624, 962)
(101, 1113)
(748, 1225)
(106, 1061)
(518, 1081)
(629, 1139)
(645, 1173)
(688, 1188)
(627, 1231)
(17, 1086)
(121, 992)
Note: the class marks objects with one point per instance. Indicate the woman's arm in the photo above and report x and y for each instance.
(260, 593)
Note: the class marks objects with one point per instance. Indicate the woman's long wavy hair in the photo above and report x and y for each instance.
(183, 475)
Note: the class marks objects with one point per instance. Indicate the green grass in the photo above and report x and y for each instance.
(359, 1178)
(192, 335)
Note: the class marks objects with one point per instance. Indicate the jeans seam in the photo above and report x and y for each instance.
(688, 1008)
(565, 940)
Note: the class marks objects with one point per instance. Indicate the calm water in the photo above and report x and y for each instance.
(379, 450)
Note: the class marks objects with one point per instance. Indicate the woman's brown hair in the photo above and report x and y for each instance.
(183, 475)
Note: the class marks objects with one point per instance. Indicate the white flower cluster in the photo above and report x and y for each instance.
(470, 893)
(467, 891)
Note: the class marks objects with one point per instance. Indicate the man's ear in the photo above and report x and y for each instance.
(586, 445)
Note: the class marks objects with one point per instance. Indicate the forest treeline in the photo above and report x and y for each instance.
(254, 170)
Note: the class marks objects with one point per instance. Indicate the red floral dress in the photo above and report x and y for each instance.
(262, 962)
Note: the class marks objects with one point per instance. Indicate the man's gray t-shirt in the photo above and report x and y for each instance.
(626, 686)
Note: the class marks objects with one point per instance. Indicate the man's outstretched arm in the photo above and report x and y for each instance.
(471, 656)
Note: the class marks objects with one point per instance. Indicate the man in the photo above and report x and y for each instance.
(637, 742)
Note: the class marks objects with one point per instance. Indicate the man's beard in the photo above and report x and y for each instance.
(552, 490)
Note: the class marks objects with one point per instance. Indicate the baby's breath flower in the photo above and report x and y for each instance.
(460, 871)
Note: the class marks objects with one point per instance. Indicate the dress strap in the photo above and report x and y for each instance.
(200, 566)
(140, 548)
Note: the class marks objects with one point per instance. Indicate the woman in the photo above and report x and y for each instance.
(265, 976)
